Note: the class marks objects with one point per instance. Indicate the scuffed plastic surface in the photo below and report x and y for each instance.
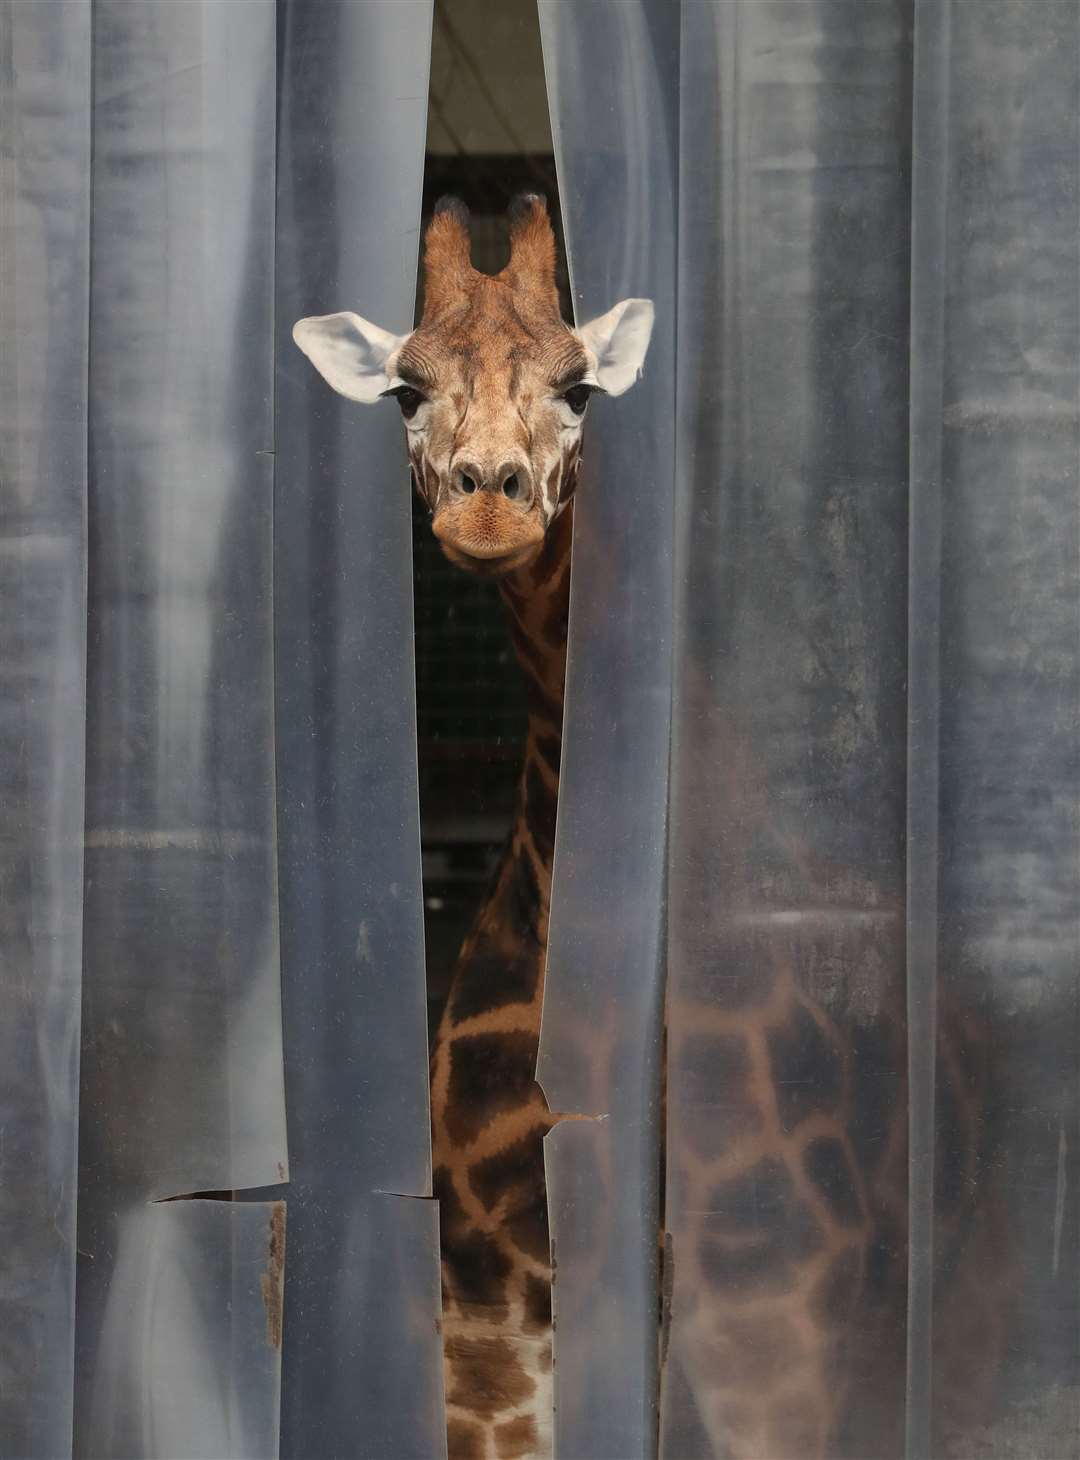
(809, 641)
(611, 74)
(189, 1356)
(997, 302)
(44, 253)
(363, 1361)
(786, 1000)
(182, 1087)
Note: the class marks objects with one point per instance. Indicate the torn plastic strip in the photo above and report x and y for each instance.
(363, 1360)
(182, 1085)
(272, 1280)
(189, 1354)
(788, 750)
(611, 70)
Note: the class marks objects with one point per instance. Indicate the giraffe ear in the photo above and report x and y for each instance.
(619, 341)
(349, 353)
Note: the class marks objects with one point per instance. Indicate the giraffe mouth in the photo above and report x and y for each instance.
(488, 566)
(488, 536)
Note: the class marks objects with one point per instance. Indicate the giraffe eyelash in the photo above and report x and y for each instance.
(408, 398)
(577, 396)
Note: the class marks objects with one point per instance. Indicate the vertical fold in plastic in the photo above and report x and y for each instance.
(44, 255)
(930, 132)
(1006, 1312)
(612, 78)
(787, 1123)
(182, 1087)
(363, 1363)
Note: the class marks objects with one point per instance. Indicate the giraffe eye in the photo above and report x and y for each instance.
(408, 399)
(577, 398)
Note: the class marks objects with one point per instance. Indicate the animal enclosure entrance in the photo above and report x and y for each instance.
(819, 798)
(488, 140)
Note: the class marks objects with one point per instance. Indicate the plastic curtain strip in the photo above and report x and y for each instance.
(877, 613)
(611, 74)
(363, 1360)
(44, 253)
(178, 1313)
(787, 1118)
(996, 516)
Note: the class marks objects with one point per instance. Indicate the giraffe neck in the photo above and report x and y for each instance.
(489, 1116)
(537, 599)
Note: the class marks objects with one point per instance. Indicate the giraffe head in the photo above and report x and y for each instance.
(492, 384)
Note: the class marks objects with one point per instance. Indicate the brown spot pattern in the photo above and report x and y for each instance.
(761, 1230)
(475, 1268)
(494, 977)
(828, 1167)
(486, 1376)
(806, 1068)
(514, 1175)
(464, 1441)
(537, 1304)
(835, 1294)
(516, 1438)
(489, 1074)
(715, 1074)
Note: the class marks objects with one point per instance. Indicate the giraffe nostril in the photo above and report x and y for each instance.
(512, 488)
(467, 483)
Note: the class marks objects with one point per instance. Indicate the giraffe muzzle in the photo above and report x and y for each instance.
(488, 531)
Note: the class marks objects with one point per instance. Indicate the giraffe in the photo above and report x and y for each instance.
(493, 388)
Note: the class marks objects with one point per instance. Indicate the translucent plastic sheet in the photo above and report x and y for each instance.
(611, 73)
(363, 1362)
(196, 1294)
(787, 1118)
(182, 1067)
(996, 518)
(44, 252)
